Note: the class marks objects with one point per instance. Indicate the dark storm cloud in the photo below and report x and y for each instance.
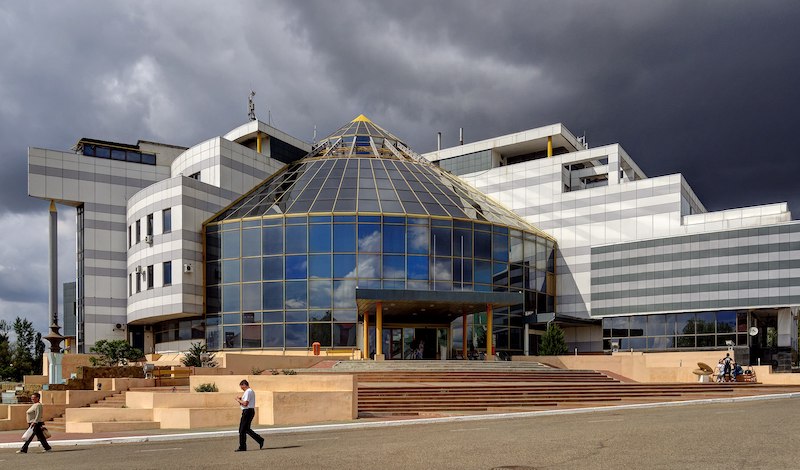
(708, 89)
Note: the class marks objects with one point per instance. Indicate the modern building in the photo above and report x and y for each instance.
(642, 255)
(257, 240)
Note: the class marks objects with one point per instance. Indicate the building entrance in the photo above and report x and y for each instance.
(415, 342)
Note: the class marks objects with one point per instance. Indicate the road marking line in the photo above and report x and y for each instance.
(603, 420)
(318, 439)
(469, 429)
(159, 450)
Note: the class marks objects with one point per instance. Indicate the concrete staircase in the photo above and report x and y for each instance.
(473, 387)
(58, 424)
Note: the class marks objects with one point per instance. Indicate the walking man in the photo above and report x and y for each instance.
(248, 404)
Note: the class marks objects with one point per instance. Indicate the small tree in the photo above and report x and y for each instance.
(553, 342)
(6, 367)
(114, 353)
(193, 357)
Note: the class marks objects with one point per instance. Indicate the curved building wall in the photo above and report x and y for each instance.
(287, 281)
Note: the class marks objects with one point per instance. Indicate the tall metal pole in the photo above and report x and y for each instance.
(54, 337)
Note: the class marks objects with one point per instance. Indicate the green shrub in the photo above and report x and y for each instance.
(289, 372)
(256, 371)
(206, 388)
(274, 372)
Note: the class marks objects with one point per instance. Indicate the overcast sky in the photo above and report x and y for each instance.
(707, 89)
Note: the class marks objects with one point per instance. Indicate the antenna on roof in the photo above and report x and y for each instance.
(582, 140)
(251, 106)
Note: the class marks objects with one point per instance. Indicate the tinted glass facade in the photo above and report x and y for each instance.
(691, 330)
(288, 281)
(362, 211)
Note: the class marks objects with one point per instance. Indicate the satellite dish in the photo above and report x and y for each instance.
(753, 330)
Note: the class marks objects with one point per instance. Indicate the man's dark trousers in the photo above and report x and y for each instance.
(244, 428)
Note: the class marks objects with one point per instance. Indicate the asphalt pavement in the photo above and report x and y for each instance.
(709, 435)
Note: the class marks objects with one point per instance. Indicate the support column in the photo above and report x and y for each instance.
(489, 334)
(549, 146)
(258, 141)
(464, 334)
(526, 339)
(378, 329)
(54, 337)
(365, 353)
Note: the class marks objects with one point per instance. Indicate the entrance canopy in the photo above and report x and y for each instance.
(423, 306)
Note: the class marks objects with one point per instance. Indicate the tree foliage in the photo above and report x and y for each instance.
(553, 342)
(19, 358)
(6, 367)
(114, 353)
(192, 357)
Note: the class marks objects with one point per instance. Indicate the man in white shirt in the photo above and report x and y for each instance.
(248, 404)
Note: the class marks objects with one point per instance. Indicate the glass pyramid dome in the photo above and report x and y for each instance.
(362, 168)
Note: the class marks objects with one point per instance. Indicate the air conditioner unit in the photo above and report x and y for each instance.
(144, 275)
(148, 239)
(187, 268)
(138, 270)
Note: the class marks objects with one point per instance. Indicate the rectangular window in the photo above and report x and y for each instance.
(138, 231)
(150, 277)
(150, 224)
(130, 237)
(167, 273)
(130, 285)
(166, 220)
(138, 282)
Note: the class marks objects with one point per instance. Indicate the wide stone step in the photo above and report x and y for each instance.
(113, 426)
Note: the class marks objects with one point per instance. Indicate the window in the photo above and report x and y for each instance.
(166, 220)
(167, 273)
(150, 224)
(130, 237)
(138, 282)
(195, 176)
(150, 277)
(138, 231)
(130, 285)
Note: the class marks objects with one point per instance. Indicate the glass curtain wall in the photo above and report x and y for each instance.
(694, 330)
(284, 282)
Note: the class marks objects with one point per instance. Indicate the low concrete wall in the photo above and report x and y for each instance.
(145, 400)
(283, 408)
(637, 366)
(69, 364)
(35, 380)
(194, 418)
(124, 384)
(245, 363)
(280, 383)
(87, 415)
(14, 416)
(74, 398)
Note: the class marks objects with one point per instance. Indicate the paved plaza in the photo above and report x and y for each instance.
(753, 434)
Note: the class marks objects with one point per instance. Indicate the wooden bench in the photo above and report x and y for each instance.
(160, 374)
(747, 376)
